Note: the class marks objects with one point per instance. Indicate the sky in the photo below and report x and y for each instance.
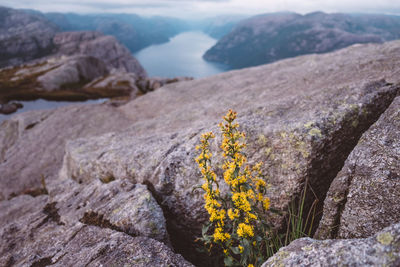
(206, 8)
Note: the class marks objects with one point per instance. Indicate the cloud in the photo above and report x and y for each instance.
(190, 8)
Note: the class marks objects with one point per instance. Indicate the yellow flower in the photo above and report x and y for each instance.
(245, 230)
(219, 235)
(250, 265)
(266, 203)
(240, 249)
(233, 214)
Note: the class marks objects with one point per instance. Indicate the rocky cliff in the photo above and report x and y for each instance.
(24, 37)
(77, 59)
(97, 45)
(73, 173)
(267, 38)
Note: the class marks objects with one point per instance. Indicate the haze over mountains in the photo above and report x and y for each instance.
(243, 42)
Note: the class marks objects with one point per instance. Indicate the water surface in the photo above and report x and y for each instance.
(181, 56)
(41, 104)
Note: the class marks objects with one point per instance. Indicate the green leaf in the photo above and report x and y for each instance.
(204, 230)
(228, 261)
(235, 250)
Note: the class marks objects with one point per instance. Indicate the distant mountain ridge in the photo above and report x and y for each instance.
(266, 38)
(133, 31)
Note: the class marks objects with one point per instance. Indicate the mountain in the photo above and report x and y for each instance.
(133, 31)
(270, 37)
(24, 36)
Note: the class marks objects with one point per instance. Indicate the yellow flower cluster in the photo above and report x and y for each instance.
(220, 235)
(212, 195)
(245, 230)
(235, 216)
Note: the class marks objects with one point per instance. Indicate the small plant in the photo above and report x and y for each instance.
(238, 219)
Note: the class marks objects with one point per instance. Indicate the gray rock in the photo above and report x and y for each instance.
(9, 108)
(302, 117)
(34, 232)
(70, 72)
(381, 249)
(39, 139)
(105, 48)
(118, 205)
(24, 37)
(363, 198)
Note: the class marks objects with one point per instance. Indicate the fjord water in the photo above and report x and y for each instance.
(41, 104)
(181, 56)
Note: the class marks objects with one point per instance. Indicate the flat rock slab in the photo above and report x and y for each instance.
(381, 249)
(47, 230)
(364, 197)
(32, 143)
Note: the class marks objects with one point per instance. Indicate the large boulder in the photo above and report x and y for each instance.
(71, 72)
(364, 196)
(24, 37)
(381, 249)
(107, 48)
(39, 232)
(302, 117)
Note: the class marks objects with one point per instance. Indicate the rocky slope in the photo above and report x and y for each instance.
(302, 116)
(78, 58)
(24, 37)
(267, 38)
(45, 64)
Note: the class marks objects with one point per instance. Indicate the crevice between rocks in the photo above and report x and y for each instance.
(324, 170)
(96, 219)
(42, 262)
(181, 236)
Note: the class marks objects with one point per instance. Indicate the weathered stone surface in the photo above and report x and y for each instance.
(118, 205)
(364, 197)
(382, 249)
(39, 138)
(302, 117)
(34, 232)
(105, 48)
(24, 37)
